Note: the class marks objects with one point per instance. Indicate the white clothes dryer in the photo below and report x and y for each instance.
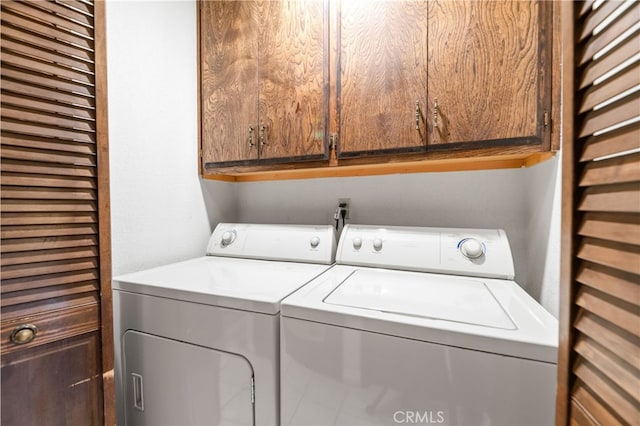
(197, 342)
(417, 326)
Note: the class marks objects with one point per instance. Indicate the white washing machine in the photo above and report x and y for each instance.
(197, 342)
(417, 326)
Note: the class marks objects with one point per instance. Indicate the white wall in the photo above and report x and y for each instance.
(543, 207)
(520, 201)
(160, 211)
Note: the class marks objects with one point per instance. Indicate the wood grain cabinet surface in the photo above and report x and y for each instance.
(382, 77)
(315, 84)
(487, 73)
(263, 81)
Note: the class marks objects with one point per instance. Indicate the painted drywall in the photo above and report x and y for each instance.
(543, 206)
(160, 210)
(523, 202)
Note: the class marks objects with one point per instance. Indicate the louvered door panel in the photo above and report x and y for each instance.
(43, 121)
(603, 170)
(52, 189)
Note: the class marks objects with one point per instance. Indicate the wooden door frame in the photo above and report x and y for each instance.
(566, 33)
(104, 213)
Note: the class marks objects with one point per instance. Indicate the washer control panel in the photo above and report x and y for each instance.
(295, 243)
(473, 252)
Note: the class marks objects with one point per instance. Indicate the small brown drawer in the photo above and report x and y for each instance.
(49, 326)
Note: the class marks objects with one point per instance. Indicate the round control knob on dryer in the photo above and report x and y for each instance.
(471, 248)
(314, 241)
(357, 243)
(377, 244)
(227, 238)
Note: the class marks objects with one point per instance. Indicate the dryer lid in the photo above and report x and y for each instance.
(447, 298)
(246, 284)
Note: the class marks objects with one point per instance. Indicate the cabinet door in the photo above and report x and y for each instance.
(229, 80)
(293, 98)
(487, 66)
(382, 73)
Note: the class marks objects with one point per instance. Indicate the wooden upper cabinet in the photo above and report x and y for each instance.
(229, 80)
(293, 99)
(262, 81)
(384, 80)
(488, 70)
(382, 75)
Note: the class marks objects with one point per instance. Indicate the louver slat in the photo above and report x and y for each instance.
(611, 227)
(624, 139)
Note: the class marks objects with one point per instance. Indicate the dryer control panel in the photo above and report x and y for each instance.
(472, 252)
(294, 243)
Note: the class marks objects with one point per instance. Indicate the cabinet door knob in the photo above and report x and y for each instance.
(23, 333)
(418, 115)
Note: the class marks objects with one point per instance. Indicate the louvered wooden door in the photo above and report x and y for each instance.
(599, 362)
(55, 215)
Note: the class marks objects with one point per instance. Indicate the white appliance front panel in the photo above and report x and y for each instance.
(339, 376)
(253, 285)
(293, 243)
(448, 298)
(438, 250)
(535, 336)
(206, 386)
(254, 336)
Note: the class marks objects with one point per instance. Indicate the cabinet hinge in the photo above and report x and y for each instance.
(253, 391)
(545, 119)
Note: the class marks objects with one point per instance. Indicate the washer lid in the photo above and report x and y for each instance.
(409, 312)
(251, 285)
(448, 298)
